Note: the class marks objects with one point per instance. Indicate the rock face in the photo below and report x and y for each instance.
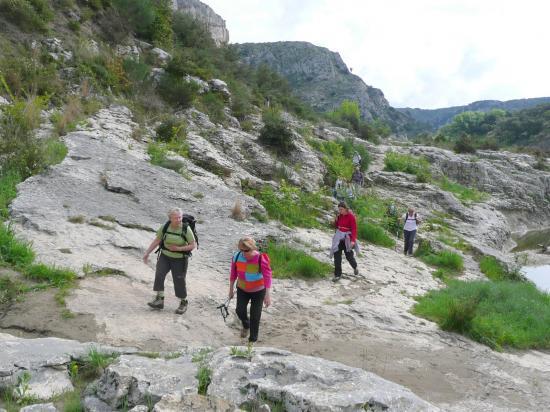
(321, 78)
(302, 383)
(204, 13)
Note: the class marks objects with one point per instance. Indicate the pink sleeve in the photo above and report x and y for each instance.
(266, 270)
(233, 274)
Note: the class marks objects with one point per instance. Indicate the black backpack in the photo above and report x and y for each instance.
(186, 221)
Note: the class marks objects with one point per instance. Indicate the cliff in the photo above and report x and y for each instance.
(321, 78)
(204, 13)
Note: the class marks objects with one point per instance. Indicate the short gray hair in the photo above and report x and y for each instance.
(175, 210)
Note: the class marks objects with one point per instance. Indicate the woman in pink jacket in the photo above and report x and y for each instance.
(252, 272)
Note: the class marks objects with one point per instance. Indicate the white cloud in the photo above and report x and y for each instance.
(426, 53)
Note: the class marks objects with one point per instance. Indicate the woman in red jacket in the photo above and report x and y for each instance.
(344, 240)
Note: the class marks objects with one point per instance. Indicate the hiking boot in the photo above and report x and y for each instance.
(157, 303)
(182, 308)
(356, 271)
(336, 278)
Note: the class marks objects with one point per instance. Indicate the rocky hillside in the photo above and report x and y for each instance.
(433, 119)
(123, 132)
(321, 78)
(204, 13)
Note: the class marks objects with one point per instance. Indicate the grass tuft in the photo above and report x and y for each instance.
(292, 263)
(497, 314)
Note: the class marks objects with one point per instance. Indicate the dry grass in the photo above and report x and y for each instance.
(237, 212)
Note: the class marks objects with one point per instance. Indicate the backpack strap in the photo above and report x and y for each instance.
(165, 231)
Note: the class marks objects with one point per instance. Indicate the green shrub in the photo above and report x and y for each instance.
(338, 165)
(27, 14)
(58, 277)
(374, 234)
(349, 147)
(189, 32)
(140, 15)
(464, 144)
(496, 271)
(178, 92)
(444, 259)
(464, 194)
(13, 251)
(213, 104)
(8, 182)
(293, 206)
(276, 132)
(241, 100)
(347, 115)
(418, 166)
(287, 262)
(501, 314)
(171, 129)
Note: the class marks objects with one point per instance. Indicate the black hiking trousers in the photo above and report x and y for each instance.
(409, 241)
(338, 259)
(178, 267)
(257, 301)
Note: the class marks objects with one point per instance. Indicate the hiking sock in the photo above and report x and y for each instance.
(160, 295)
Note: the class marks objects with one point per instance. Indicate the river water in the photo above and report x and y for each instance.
(539, 275)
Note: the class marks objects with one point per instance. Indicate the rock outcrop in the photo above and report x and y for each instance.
(321, 78)
(204, 13)
(143, 380)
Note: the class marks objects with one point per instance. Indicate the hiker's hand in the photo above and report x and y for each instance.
(267, 299)
(352, 244)
(146, 258)
(231, 293)
(174, 248)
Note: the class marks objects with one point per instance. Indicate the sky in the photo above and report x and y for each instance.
(421, 53)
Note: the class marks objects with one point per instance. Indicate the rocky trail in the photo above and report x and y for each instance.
(96, 213)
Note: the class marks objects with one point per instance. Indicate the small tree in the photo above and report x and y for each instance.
(276, 132)
(464, 144)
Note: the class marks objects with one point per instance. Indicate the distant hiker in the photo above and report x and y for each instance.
(411, 221)
(252, 271)
(344, 240)
(339, 191)
(357, 180)
(175, 241)
(356, 159)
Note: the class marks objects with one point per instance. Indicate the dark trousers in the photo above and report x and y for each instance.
(257, 299)
(178, 267)
(409, 240)
(338, 259)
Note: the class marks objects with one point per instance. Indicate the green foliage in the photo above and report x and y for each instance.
(241, 101)
(347, 115)
(238, 352)
(287, 263)
(349, 147)
(465, 194)
(21, 152)
(501, 314)
(8, 182)
(276, 132)
(496, 271)
(464, 144)
(213, 104)
(374, 234)
(293, 206)
(58, 277)
(159, 156)
(204, 376)
(443, 259)
(176, 91)
(171, 129)
(473, 123)
(29, 15)
(418, 166)
(191, 33)
(338, 165)
(140, 15)
(14, 252)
